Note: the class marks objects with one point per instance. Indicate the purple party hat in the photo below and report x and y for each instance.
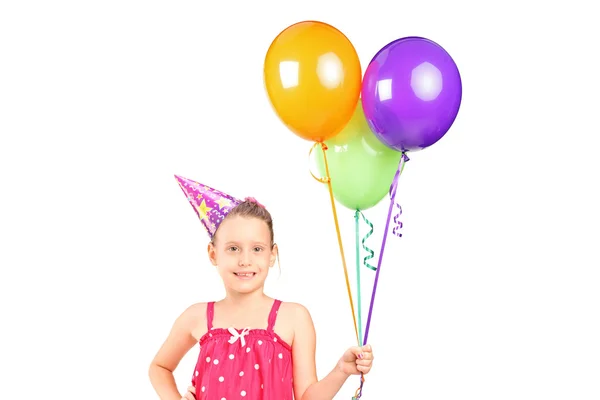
(210, 204)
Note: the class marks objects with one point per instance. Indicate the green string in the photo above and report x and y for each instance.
(356, 231)
(370, 255)
(365, 248)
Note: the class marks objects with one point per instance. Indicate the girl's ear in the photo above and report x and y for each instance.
(274, 253)
(212, 254)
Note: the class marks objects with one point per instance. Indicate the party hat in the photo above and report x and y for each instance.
(210, 204)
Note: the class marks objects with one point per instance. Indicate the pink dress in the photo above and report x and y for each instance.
(243, 364)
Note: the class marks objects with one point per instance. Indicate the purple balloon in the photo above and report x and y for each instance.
(411, 93)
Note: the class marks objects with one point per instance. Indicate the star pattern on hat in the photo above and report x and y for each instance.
(223, 202)
(210, 205)
(203, 209)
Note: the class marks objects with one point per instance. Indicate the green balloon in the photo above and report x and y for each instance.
(360, 166)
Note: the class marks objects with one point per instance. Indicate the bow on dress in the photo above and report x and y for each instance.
(235, 335)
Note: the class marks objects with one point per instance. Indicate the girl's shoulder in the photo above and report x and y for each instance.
(293, 315)
(194, 310)
(296, 306)
(194, 319)
(294, 324)
(289, 307)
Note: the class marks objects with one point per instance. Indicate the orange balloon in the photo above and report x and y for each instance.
(313, 79)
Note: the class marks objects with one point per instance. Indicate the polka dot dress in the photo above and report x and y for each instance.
(243, 364)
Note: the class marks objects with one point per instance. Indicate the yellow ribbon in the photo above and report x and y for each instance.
(327, 180)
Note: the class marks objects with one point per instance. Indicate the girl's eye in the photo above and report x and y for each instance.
(232, 248)
(258, 249)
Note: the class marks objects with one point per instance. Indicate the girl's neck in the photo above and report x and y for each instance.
(245, 300)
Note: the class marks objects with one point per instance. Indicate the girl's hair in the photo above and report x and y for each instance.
(252, 208)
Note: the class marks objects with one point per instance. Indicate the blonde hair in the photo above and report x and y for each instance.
(251, 208)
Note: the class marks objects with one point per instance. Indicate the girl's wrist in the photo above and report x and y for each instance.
(341, 370)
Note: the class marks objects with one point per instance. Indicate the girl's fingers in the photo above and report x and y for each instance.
(188, 396)
(364, 369)
(364, 363)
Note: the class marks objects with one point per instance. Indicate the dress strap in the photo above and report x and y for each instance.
(210, 312)
(273, 315)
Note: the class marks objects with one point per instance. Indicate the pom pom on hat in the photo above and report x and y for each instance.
(253, 200)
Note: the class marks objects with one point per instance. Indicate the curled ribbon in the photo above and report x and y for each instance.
(324, 179)
(396, 222)
(371, 253)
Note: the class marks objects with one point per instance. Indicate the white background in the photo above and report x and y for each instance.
(492, 293)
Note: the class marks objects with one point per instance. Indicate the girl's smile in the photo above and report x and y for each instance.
(245, 276)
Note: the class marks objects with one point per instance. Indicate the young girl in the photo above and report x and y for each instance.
(251, 346)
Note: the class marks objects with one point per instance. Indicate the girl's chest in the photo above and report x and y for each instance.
(282, 333)
(250, 355)
(243, 341)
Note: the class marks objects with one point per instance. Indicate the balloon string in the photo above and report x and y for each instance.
(357, 251)
(327, 179)
(358, 392)
(357, 215)
(393, 188)
(370, 255)
(397, 223)
(392, 193)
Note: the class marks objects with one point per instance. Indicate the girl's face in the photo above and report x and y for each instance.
(242, 253)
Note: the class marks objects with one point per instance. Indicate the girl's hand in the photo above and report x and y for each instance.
(356, 360)
(190, 394)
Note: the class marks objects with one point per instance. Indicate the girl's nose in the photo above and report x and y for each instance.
(244, 260)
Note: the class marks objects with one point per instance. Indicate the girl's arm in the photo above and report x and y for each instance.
(179, 341)
(306, 384)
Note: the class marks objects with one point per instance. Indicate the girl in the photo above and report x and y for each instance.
(251, 346)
